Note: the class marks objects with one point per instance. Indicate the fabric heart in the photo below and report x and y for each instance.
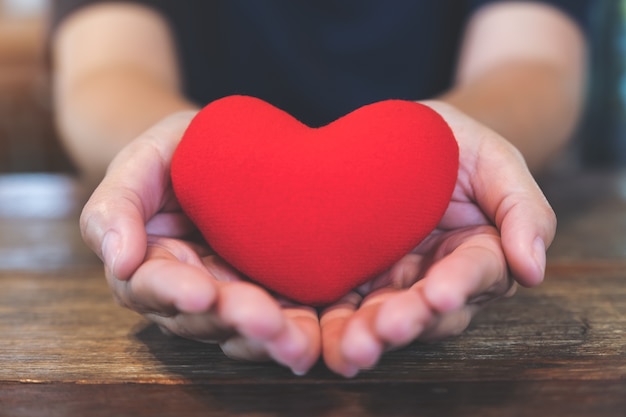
(312, 213)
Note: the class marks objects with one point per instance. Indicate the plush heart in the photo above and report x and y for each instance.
(312, 213)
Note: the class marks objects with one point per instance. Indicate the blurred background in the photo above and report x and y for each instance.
(602, 135)
(28, 142)
(27, 139)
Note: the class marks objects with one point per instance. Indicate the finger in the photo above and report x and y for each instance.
(473, 270)
(289, 336)
(241, 348)
(257, 316)
(332, 323)
(166, 287)
(239, 314)
(402, 318)
(450, 324)
(519, 209)
(296, 346)
(180, 293)
(299, 345)
(473, 273)
(113, 220)
(172, 279)
(249, 323)
(402, 274)
(387, 319)
(202, 327)
(524, 239)
(360, 344)
(511, 199)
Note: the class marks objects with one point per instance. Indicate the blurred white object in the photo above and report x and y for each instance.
(23, 8)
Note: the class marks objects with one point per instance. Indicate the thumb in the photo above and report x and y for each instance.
(510, 197)
(113, 221)
(495, 176)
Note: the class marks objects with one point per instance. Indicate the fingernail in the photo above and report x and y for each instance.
(302, 367)
(289, 349)
(111, 249)
(299, 372)
(539, 254)
(442, 297)
(351, 371)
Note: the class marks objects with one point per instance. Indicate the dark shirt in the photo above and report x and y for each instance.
(317, 59)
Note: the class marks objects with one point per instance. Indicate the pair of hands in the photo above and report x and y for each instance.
(493, 236)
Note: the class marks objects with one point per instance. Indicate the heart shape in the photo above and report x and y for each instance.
(312, 213)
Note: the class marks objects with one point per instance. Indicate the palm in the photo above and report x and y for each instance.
(497, 221)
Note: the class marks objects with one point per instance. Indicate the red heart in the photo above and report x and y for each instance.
(312, 213)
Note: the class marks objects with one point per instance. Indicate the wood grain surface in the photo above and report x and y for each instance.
(66, 349)
(64, 327)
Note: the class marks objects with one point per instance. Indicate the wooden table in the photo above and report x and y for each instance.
(67, 350)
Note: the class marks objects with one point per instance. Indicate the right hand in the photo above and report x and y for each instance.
(134, 224)
(493, 236)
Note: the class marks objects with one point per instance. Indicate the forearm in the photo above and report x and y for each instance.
(98, 114)
(521, 72)
(111, 85)
(533, 105)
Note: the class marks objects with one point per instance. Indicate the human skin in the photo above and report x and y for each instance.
(514, 104)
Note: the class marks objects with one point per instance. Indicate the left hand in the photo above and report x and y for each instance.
(155, 265)
(493, 235)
